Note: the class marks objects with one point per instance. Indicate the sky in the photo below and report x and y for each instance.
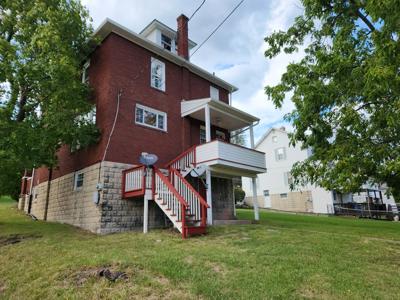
(235, 52)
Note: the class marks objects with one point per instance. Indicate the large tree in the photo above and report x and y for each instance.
(43, 44)
(346, 91)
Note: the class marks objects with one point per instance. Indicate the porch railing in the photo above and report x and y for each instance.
(133, 182)
(184, 160)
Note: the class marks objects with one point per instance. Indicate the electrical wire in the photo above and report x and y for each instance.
(220, 24)
(204, 1)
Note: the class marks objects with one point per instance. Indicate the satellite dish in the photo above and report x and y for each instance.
(148, 159)
(198, 170)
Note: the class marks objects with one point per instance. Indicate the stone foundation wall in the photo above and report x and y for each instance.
(124, 215)
(222, 199)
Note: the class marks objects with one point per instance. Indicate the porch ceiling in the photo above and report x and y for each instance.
(222, 114)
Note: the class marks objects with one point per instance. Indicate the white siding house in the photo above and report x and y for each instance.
(274, 186)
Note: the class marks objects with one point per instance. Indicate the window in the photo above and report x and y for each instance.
(78, 182)
(202, 135)
(157, 74)
(274, 139)
(166, 42)
(287, 178)
(85, 72)
(280, 154)
(214, 93)
(283, 195)
(151, 117)
(266, 193)
(220, 135)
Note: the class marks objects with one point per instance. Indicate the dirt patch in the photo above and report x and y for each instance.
(2, 287)
(217, 268)
(15, 239)
(110, 273)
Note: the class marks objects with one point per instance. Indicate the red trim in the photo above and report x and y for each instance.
(137, 192)
(202, 201)
(182, 155)
(171, 187)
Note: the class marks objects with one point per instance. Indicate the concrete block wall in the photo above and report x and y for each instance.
(124, 215)
(222, 198)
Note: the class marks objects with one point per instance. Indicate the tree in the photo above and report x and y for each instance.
(346, 92)
(43, 45)
(238, 138)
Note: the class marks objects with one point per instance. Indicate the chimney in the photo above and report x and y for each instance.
(183, 37)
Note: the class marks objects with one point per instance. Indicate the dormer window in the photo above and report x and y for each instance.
(157, 74)
(166, 42)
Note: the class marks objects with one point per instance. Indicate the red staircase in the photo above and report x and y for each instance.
(176, 197)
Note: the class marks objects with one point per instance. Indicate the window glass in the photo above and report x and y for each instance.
(214, 93)
(266, 193)
(166, 42)
(280, 154)
(78, 180)
(150, 117)
(283, 195)
(157, 74)
(202, 135)
(220, 135)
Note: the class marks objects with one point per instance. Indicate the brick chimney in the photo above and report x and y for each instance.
(183, 37)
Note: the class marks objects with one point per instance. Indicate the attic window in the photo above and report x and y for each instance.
(166, 42)
(157, 74)
(214, 93)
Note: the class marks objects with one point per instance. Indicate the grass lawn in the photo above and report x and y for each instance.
(285, 256)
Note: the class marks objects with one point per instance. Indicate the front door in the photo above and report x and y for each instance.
(267, 199)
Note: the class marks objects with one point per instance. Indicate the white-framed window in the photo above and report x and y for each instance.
(85, 72)
(274, 139)
(280, 153)
(150, 117)
(220, 135)
(166, 42)
(203, 138)
(287, 178)
(157, 74)
(214, 93)
(283, 195)
(78, 180)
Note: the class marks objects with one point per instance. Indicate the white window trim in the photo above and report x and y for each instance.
(155, 111)
(277, 154)
(77, 173)
(85, 75)
(163, 79)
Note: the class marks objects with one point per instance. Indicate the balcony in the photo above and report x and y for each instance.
(230, 159)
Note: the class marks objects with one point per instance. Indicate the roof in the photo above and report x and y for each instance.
(265, 135)
(109, 26)
(220, 112)
(165, 29)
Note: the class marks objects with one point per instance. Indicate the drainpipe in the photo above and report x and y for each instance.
(30, 191)
(48, 193)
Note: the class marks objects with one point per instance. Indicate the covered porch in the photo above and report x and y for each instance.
(221, 158)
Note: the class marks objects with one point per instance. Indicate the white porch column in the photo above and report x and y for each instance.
(254, 180)
(209, 197)
(208, 123)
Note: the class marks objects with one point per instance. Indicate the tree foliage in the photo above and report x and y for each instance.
(43, 45)
(346, 91)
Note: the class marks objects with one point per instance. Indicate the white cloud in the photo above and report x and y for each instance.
(235, 52)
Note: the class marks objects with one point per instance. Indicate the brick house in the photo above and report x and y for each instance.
(149, 98)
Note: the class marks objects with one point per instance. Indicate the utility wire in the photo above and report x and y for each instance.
(220, 24)
(197, 10)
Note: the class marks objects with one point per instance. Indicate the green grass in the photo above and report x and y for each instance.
(285, 256)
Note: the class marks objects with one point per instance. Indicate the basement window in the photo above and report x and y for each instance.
(151, 117)
(78, 182)
(157, 74)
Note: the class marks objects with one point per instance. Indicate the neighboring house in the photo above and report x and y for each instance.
(273, 188)
(149, 98)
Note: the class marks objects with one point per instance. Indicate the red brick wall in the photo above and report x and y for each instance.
(122, 65)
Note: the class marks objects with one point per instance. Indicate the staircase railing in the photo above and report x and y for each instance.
(184, 160)
(197, 206)
(133, 182)
(171, 197)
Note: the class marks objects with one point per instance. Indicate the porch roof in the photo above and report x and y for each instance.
(222, 114)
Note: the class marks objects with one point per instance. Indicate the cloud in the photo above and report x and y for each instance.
(235, 52)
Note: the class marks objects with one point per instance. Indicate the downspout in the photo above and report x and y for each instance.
(30, 192)
(48, 193)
